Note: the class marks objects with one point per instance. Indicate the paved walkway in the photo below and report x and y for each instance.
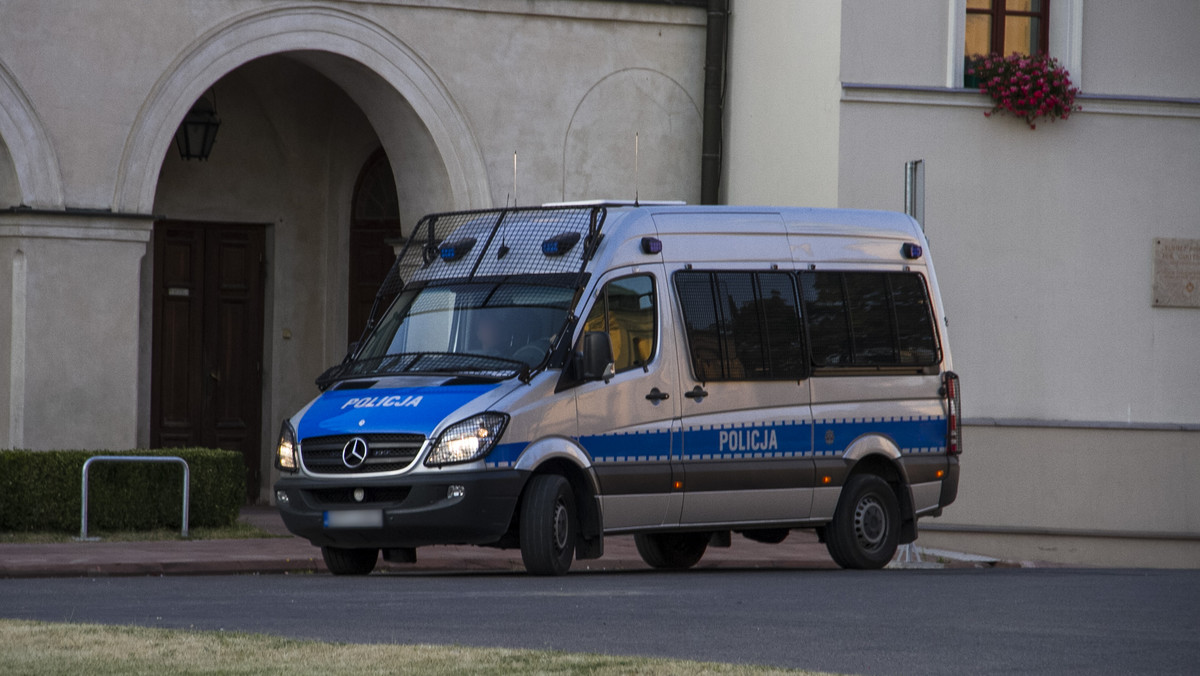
(287, 554)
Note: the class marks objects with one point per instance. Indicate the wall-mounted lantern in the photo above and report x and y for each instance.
(198, 131)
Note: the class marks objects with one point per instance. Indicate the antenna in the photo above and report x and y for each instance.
(635, 168)
(503, 250)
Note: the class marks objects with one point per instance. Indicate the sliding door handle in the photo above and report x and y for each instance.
(657, 395)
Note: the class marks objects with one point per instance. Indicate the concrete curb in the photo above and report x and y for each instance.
(285, 554)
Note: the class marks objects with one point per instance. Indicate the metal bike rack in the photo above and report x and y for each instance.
(83, 528)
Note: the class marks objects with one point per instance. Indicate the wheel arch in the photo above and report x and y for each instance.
(561, 456)
(879, 456)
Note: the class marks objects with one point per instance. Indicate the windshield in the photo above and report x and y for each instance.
(470, 326)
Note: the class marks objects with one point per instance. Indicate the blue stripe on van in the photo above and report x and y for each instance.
(913, 435)
(781, 439)
(644, 446)
(504, 456)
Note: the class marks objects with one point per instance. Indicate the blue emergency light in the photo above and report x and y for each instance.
(911, 250)
(651, 245)
(452, 251)
(560, 244)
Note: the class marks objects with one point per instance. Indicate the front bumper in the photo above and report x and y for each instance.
(416, 510)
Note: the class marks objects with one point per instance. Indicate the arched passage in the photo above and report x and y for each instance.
(305, 98)
(383, 75)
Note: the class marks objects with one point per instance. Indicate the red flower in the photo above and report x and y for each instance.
(1025, 87)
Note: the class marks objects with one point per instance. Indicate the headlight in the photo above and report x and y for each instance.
(468, 440)
(287, 452)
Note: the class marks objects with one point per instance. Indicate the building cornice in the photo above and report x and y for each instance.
(1084, 424)
(83, 224)
(1092, 104)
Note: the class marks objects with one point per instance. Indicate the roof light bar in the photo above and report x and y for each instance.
(452, 251)
(560, 244)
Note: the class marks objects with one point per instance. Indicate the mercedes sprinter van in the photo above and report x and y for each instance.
(540, 378)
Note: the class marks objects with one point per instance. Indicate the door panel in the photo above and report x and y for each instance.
(629, 436)
(746, 459)
(208, 323)
(746, 418)
(179, 291)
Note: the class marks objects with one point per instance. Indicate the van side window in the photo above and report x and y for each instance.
(873, 319)
(626, 309)
(742, 325)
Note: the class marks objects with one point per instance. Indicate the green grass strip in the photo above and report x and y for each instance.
(48, 648)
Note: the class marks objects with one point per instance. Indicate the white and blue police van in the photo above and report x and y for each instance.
(539, 378)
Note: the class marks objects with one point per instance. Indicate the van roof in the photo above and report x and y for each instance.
(815, 219)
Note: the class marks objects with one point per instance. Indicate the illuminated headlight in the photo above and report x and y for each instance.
(468, 440)
(286, 459)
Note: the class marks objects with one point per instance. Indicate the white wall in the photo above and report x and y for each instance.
(781, 103)
(896, 43)
(1149, 49)
(1043, 241)
(1086, 397)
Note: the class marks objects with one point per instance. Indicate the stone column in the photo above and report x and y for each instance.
(70, 287)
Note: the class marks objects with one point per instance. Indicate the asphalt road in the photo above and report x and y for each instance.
(881, 622)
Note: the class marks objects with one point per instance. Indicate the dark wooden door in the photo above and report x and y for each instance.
(206, 383)
(375, 220)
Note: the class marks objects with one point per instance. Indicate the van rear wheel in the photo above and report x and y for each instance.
(672, 551)
(341, 561)
(865, 529)
(548, 525)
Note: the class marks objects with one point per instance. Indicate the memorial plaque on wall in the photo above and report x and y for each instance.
(1176, 272)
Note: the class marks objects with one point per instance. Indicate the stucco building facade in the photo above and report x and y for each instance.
(1081, 390)
(131, 280)
(148, 300)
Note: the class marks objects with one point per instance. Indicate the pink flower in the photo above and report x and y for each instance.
(1025, 87)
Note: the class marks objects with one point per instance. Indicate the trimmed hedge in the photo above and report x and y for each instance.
(40, 490)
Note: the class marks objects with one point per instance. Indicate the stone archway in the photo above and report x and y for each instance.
(31, 157)
(434, 158)
(356, 53)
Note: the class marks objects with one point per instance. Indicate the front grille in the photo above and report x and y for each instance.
(385, 453)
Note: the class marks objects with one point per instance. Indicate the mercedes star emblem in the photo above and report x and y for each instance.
(354, 453)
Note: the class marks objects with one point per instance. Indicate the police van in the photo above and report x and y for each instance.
(540, 378)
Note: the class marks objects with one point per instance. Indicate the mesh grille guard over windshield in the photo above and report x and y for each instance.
(505, 242)
(547, 242)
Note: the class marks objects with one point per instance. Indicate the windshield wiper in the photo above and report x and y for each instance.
(423, 362)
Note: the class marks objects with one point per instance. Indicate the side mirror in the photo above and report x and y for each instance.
(597, 360)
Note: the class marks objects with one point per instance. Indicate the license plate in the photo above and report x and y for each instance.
(354, 518)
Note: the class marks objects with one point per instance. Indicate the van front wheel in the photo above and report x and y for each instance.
(341, 561)
(548, 525)
(865, 529)
(673, 551)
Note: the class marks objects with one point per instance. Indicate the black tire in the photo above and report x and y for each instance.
(865, 529)
(342, 561)
(672, 551)
(548, 525)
